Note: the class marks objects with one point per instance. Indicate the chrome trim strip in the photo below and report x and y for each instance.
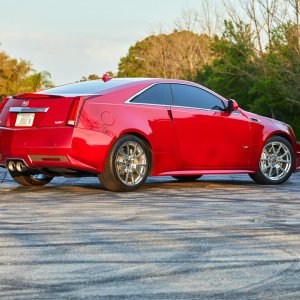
(149, 104)
(236, 112)
(28, 109)
(206, 109)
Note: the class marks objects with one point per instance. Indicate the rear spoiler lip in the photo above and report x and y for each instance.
(33, 96)
(42, 96)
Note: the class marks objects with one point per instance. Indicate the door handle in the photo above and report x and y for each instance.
(170, 114)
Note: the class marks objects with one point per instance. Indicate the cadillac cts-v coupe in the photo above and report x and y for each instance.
(125, 129)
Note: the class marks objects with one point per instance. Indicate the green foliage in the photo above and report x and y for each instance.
(267, 83)
(176, 55)
(17, 76)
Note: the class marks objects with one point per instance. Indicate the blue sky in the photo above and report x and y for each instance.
(72, 38)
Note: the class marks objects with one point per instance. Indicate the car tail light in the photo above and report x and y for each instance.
(73, 112)
(2, 104)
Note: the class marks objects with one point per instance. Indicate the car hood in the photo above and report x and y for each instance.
(264, 120)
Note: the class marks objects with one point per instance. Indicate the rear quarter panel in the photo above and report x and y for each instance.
(104, 115)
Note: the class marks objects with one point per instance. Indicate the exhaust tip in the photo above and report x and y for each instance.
(11, 166)
(20, 167)
(16, 165)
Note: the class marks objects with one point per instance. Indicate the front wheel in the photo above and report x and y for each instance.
(276, 162)
(27, 179)
(127, 165)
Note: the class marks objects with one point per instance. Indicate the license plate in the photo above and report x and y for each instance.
(24, 120)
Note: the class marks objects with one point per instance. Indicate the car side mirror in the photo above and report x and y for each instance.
(232, 105)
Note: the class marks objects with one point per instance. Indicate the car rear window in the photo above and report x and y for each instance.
(158, 94)
(85, 87)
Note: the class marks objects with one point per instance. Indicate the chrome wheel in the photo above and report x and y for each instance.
(131, 163)
(276, 161)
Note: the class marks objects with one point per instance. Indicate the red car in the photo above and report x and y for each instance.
(125, 129)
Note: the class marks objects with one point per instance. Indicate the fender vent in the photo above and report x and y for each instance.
(254, 120)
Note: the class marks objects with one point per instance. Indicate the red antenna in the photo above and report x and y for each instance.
(106, 77)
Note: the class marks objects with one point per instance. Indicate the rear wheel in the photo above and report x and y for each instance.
(28, 179)
(276, 162)
(187, 178)
(127, 165)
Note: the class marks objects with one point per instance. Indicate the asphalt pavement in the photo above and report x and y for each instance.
(221, 237)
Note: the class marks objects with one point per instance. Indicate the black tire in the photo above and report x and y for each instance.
(261, 177)
(28, 179)
(113, 178)
(187, 178)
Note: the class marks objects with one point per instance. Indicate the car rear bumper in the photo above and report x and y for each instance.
(65, 147)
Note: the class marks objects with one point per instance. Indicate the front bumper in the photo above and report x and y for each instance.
(64, 147)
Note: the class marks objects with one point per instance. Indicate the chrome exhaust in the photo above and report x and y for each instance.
(11, 166)
(20, 167)
(17, 166)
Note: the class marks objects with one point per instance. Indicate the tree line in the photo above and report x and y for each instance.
(253, 56)
(18, 76)
(250, 53)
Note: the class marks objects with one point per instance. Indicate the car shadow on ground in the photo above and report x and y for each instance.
(89, 184)
(82, 186)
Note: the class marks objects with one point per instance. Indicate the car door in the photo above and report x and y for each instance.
(209, 137)
(150, 112)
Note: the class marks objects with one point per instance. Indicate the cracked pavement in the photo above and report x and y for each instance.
(221, 237)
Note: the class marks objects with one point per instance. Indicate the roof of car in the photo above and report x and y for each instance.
(96, 87)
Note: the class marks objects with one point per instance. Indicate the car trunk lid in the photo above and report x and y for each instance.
(39, 110)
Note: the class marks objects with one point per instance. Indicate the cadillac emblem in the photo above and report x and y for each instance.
(25, 103)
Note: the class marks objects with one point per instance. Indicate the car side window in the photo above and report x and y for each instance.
(191, 96)
(157, 94)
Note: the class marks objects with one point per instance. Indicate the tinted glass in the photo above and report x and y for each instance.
(157, 94)
(85, 87)
(190, 96)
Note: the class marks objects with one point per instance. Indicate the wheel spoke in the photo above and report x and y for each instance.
(270, 172)
(266, 168)
(139, 155)
(273, 149)
(128, 150)
(277, 173)
(138, 172)
(132, 178)
(284, 161)
(283, 170)
(285, 153)
(126, 178)
(279, 148)
(134, 151)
